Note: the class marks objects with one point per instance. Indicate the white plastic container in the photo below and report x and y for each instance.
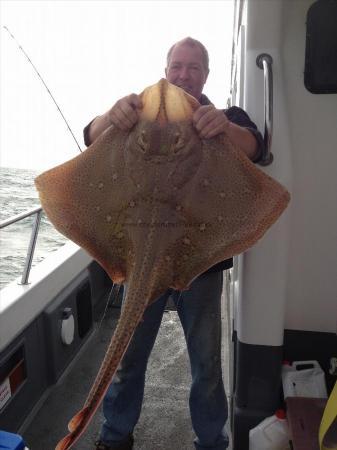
(303, 382)
(271, 434)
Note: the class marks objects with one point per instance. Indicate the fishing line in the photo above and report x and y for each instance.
(45, 85)
(108, 303)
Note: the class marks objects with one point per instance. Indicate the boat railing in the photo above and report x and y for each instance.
(264, 62)
(37, 212)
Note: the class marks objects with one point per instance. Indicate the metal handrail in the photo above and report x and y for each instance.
(265, 61)
(33, 237)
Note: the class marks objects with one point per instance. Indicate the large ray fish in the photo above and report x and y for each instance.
(156, 207)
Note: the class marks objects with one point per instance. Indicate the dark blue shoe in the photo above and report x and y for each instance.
(125, 445)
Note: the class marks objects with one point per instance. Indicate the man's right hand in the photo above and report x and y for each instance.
(124, 113)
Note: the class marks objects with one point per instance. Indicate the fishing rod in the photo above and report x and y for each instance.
(45, 85)
(68, 126)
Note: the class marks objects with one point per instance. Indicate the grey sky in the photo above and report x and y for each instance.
(91, 53)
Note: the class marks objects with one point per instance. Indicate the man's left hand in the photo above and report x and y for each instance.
(210, 122)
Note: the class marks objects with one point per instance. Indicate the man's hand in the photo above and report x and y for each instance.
(124, 113)
(210, 121)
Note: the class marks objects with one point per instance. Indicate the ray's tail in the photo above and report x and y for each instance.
(140, 292)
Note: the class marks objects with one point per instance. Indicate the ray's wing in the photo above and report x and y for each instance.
(85, 199)
(230, 205)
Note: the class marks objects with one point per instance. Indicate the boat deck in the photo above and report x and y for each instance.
(165, 421)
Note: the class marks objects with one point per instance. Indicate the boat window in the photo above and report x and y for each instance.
(320, 75)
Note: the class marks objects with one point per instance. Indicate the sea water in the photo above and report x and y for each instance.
(17, 195)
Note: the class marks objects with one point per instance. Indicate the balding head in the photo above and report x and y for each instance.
(187, 66)
(192, 43)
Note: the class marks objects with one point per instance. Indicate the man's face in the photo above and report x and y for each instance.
(186, 69)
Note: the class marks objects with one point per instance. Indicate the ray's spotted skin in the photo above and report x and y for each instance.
(156, 207)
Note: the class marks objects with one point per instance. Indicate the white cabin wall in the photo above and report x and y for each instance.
(312, 269)
(263, 269)
(289, 279)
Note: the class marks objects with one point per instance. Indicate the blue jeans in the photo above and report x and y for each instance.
(199, 310)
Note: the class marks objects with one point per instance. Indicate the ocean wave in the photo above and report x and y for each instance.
(18, 195)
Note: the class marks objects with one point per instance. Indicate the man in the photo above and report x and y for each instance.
(199, 307)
